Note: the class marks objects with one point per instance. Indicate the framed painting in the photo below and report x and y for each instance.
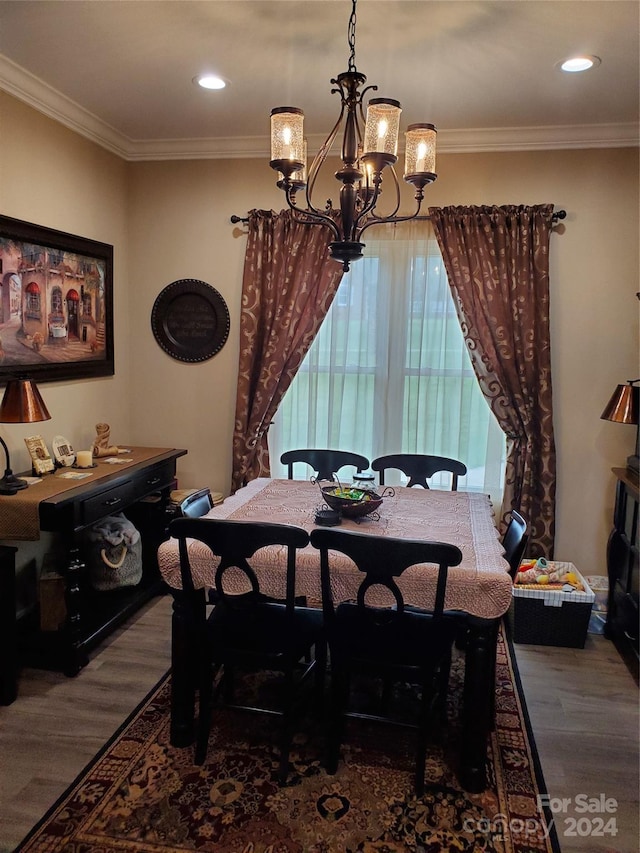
(56, 304)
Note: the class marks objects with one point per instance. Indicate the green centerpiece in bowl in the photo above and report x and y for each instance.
(351, 502)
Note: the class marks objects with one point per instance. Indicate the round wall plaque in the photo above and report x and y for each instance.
(190, 320)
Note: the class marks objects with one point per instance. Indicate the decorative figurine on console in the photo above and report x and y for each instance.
(101, 446)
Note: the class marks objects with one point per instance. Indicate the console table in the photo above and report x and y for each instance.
(623, 566)
(138, 484)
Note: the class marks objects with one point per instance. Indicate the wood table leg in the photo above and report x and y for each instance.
(478, 701)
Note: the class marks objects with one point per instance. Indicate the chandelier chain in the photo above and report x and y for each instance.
(352, 38)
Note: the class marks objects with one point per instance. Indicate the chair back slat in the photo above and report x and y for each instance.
(235, 543)
(419, 467)
(381, 559)
(326, 463)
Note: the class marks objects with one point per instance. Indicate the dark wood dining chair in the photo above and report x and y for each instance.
(389, 643)
(515, 541)
(419, 467)
(326, 463)
(246, 629)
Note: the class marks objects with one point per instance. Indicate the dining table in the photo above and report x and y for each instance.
(479, 589)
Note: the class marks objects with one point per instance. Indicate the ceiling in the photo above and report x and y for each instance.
(120, 71)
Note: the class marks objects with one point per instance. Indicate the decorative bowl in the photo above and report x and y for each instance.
(351, 507)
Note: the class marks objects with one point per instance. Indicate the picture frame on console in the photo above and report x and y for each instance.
(41, 460)
(56, 304)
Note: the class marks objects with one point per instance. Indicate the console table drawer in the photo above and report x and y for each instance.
(108, 501)
(158, 477)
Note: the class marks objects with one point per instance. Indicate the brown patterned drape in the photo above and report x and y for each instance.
(288, 285)
(497, 262)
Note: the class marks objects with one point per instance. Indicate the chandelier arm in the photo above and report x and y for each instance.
(369, 206)
(321, 156)
(371, 88)
(392, 220)
(312, 216)
(398, 194)
(369, 209)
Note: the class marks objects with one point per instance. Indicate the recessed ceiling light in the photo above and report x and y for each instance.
(209, 81)
(579, 63)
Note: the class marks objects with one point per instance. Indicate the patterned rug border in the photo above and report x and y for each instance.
(154, 692)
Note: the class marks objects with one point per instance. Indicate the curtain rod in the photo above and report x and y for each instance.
(555, 217)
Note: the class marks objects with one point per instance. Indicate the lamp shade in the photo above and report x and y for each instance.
(623, 406)
(22, 403)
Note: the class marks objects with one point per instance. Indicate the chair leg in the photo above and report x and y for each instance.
(204, 715)
(339, 696)
(228, 684)
(423, 728)
(387, 692)
(286, 731)
(319, 675)
(443, 688)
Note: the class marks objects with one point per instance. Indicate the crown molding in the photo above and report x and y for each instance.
(33, 91)
(45, 99)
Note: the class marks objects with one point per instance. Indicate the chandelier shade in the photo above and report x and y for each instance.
(382, 128)
(420, 152)
(369, 149)
(287, 139)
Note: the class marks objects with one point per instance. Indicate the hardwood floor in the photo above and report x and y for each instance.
(57, 724)
(583, 705)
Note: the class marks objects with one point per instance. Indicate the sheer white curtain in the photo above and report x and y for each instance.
(389, 371)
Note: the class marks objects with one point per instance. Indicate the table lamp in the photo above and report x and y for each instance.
(623, 408)
(21, 404)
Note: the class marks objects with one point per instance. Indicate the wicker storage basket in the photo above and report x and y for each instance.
(551, 617)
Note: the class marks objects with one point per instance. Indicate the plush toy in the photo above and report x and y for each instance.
(541, 572)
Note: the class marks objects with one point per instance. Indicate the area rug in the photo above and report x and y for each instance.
(141, 795)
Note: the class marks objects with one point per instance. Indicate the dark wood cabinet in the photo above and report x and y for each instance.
(140, 489)
(623, 565)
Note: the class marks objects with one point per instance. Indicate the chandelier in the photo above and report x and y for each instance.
(369, 146)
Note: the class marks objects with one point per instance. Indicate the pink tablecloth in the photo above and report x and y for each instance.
(481, 585)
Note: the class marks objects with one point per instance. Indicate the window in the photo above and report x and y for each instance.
(86, 304)
(32, 300)
(389, 370)
(56, 300)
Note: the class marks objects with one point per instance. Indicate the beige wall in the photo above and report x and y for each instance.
(170, 220)
(53, 177)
